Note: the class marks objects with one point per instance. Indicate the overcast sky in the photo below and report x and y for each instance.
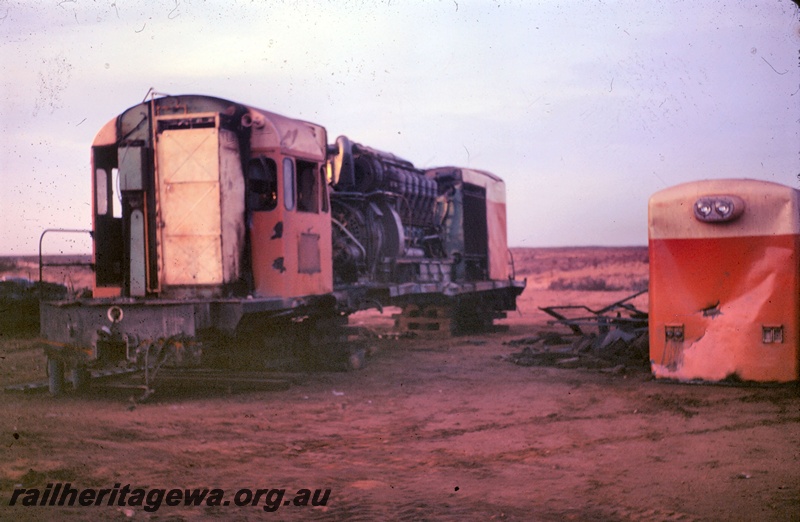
(585, 108)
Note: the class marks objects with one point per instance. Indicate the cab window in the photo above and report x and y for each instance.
(101, 192)
(262, 184)
(307, 187)
(323, 184)
(288, 183)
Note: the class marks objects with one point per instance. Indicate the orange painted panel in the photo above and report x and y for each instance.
(99, 292)
(722, 292)
(498, 243)
(269, 266)
(276, 237)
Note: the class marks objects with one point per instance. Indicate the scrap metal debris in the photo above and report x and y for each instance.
(603, 319)
(612, 338)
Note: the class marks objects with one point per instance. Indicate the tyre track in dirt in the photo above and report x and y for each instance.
(395, 441)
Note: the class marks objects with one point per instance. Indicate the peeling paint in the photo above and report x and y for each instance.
(277, 232)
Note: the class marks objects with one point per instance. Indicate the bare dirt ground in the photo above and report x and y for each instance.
(429, 430)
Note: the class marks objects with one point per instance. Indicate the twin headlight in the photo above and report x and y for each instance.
(717, 209)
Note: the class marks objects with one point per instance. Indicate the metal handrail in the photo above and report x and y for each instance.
(513, 267)
(42, 264)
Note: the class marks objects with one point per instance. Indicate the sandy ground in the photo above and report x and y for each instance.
(429, 430)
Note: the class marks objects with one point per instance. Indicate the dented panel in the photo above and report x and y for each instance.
(288, 136)
(724, 291)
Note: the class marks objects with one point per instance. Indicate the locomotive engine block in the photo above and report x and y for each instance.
(384, 212)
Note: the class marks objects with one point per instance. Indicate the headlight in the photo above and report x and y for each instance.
(702, 208)
(718, 209)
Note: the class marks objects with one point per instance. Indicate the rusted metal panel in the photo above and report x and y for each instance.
(79, 324)
(724, 288)
(201, 205)
(232, 205)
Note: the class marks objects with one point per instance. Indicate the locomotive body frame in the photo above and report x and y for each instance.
(213, 219)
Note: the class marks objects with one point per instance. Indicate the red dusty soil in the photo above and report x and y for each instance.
(429, 430)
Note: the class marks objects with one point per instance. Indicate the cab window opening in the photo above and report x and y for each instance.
(101, 192)
(262, 184)
(323, 183)
(307, 187)
(116, 199)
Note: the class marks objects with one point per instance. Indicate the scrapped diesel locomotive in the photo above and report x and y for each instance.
(218, 227)
(725, 281)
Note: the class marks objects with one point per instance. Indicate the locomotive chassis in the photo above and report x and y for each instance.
(242, 243)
